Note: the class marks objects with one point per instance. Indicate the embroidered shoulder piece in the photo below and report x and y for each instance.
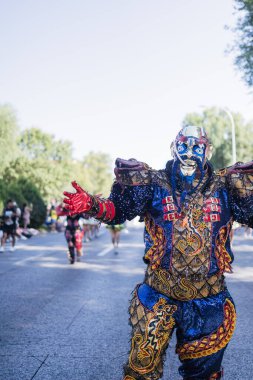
(238, 168)
(133, 173)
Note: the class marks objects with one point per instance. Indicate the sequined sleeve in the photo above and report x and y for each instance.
(130, 202)
(240, 186)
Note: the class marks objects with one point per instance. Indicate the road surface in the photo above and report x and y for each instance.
(61, 321)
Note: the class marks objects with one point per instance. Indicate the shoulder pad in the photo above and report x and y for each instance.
(238, 168)
(132, 172)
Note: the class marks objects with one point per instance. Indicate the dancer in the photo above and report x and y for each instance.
(188, 211)
(74, 236)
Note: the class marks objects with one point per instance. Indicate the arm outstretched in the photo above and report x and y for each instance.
(93, 205)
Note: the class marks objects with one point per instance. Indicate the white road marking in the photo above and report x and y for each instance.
(105, 251)
(110, 248)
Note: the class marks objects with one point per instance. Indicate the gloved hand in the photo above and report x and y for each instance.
(78, 202)
(82, 202)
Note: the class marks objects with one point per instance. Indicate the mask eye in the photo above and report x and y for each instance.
(199, 149)
(181, 147)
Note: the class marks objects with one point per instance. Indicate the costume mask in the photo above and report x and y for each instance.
(191, 148)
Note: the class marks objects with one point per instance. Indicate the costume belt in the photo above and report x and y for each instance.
(184, 288)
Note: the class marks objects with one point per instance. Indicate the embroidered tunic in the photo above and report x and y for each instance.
(187, 246)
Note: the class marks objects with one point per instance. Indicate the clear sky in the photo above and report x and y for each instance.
(117, 76)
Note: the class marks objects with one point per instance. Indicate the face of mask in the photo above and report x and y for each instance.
(191, 148)
(192, 155)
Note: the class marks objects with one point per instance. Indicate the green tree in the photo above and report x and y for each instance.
(95, 173)
(36, 167)
(8, 136)
(46, 162)
(36, 144)
(218, 127)
(243, 45)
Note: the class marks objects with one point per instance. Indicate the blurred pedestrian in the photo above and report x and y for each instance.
(248, 232)
(74, 237)
(94, 227)
(115, 230)
(26, 215)
(9, 216)
(235, 226)
(53, 218)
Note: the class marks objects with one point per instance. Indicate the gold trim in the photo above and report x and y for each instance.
(184, 288)
(146, 349)
(155, 253)
(214, 342)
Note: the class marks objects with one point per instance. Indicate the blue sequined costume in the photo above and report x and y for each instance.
(187, 251)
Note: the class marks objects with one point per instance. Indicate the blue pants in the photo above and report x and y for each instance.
(203, 327)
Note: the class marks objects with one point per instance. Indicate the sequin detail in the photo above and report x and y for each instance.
(155, 254)
(214, 342)
(184, 289)
(223, 257)
(191, 241)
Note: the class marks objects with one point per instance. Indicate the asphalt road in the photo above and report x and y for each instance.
(61, 321)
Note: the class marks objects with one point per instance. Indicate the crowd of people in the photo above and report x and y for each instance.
(78, 229)
(15, 224)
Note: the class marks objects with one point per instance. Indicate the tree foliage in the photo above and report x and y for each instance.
(243, 45)
(36, 144)
(36, 167)
(45, 160)
(8, 136)
(99, 172)
(218, 127)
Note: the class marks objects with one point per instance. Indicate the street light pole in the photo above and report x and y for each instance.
(233, 134)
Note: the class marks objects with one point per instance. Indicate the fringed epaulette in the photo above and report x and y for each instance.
(133, 173)
(238, 168)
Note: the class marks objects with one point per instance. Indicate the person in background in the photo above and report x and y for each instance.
(9, 217)
(248, 232)
(18, 214)
(94, 227)
(53, 218)
(26, 215)
(115, 230)
(74, 237)
(235, 226)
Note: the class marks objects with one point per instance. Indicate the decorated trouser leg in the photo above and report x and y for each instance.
(204, 330)
(204, 327)
(151, 333)
(72, 254)
(71, 248)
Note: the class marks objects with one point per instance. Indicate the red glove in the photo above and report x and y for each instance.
(78, 202)
(81, 201)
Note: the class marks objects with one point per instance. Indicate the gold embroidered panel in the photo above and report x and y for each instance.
(214, 342)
